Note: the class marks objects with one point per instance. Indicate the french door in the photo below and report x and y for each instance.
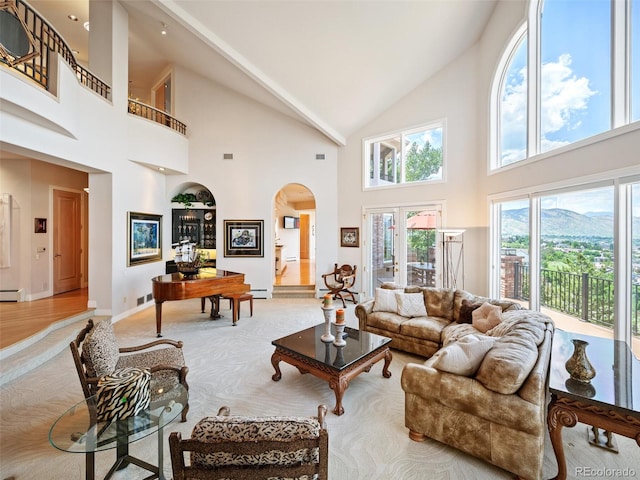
(401, 246)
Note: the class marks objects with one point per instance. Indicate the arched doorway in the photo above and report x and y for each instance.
(294, 226)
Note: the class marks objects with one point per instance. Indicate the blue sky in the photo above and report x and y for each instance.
(575, 76)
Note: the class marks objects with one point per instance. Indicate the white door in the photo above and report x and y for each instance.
(401, 246)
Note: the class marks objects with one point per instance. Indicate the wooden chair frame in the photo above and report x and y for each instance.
(90, 383)
(340, 281)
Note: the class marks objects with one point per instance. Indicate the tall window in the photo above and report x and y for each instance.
(513, 107)
(635, 60)
(404, 157)
(575, 75)
(567, 95)
(576, 255)
(514, 251)
(569, 255)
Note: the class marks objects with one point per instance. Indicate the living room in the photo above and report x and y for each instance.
(120, 155)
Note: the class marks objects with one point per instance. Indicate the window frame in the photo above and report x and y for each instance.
(620, 86)
(369, 141)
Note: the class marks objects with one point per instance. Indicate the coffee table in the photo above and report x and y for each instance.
(78, 431)
(611, 401)
(337, 365)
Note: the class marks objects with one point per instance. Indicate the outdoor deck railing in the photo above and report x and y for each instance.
(579, 295)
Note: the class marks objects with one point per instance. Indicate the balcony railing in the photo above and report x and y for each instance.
(46, 41)
(150, 113)
(579, 295)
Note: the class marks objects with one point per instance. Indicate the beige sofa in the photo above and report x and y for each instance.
(489, 404)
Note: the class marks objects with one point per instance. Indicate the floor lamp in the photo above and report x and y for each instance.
(452, 258)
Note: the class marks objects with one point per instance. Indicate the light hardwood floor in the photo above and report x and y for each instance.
(21, 320)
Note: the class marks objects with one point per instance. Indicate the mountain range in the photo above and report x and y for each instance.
(561, 222)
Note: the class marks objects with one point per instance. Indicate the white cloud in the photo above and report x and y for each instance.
(563, 97)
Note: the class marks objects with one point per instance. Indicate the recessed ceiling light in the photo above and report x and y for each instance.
(73, 18)
(86, 26)
(161, 169)
(164, 29)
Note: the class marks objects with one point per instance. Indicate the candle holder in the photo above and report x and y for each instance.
(329, 316)
(339, 361)
(339, 341)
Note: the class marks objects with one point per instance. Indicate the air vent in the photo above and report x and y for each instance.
(319, 156)
(227, 156)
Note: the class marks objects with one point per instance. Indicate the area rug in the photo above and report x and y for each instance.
(232, 366)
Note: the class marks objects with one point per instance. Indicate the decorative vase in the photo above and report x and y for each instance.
(339, 341)
(329, 315)
(578, 366)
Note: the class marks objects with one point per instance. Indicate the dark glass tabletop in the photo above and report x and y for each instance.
(77, 431)
(617, 380)
(308, 344)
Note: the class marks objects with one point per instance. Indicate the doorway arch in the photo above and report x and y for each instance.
(295, 239)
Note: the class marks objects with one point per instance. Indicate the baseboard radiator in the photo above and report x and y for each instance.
(12, 295)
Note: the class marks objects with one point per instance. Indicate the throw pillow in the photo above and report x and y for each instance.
(464, 356)
(466, 309)
(486, 317)
(385, 301)
(411, 304)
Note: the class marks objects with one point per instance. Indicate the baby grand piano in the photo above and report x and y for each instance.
(207, 283)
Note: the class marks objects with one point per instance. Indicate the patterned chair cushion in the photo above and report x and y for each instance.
(219, 429)
(161, 380)
(100, 349)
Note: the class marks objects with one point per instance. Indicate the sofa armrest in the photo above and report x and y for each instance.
(362, 311)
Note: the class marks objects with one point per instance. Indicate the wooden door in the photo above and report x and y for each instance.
(304, 236)
(67, 250)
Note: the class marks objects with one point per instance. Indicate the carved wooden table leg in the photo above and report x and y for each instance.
(339, 385)
(387, 361)
(556, 419)
(275, 361)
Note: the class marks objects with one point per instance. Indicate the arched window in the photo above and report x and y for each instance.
(513, 106)
(579, 85)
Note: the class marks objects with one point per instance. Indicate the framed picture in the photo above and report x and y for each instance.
(349, 237)
(40, 225)
(243, 238)
(144, 238)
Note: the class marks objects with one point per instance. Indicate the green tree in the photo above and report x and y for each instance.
(422, 161)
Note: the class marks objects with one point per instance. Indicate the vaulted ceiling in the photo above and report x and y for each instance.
(335, 65)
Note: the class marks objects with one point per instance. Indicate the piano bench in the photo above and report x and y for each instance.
(240, 297)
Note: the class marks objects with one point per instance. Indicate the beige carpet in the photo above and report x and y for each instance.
(232, 366)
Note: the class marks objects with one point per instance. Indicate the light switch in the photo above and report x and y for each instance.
(41, 249)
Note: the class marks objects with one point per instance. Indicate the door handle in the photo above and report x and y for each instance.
(57, 255)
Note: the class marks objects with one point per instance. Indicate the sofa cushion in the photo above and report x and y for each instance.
(486, 317)
(386, 321)
(385, 301)
(508, 364)
(100, 349)
(411, 304)
(439, 302)
(464, 356)
(426, 328)
(466, 309)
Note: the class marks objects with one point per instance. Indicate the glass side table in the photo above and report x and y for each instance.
(78, 431)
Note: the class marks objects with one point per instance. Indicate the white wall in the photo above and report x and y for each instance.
(269, 150)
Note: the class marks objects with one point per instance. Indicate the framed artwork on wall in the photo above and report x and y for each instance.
(349, 237)
(144, 238)
(40, 225)
(243, 238)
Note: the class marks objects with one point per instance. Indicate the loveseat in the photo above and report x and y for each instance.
(484, 388)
